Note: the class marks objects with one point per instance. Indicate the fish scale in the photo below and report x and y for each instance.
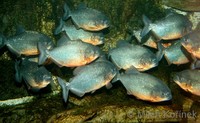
(145, 86)
(89, 78)
(72, 54)
(25, 43)
(87, 18)
(173, 26)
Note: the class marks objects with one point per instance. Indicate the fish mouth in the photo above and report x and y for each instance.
(167, 97)
(43, 84)
(40, 84)
(147, 67)
(176, 79)
(96, 27)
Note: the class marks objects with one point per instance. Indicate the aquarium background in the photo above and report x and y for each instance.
(113, 105)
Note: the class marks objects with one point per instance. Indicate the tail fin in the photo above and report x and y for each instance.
(43, 53)
(59, 29)
(65, 89)
(18, 76)
(160, 52)
(146, 28)
(67, 12)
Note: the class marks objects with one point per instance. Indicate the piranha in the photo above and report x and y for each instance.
(144, 86)
(25, 42)
(173, 26)
(89, 78)
(191, 42)
(72, 54)
(188, 80)
(87, 18)
(176, 54)
(126, 55)
(36, 77)
(183, 5)
(94, 38)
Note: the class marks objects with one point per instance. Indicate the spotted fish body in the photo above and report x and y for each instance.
(176, 54)
(173, 26)
(87, 18)
(72, 54)
(145, 86)
(94, 38)
(133, 55)
(25, 43)
(89, 78)
(36, 77)
(191, 42)
(188, 80)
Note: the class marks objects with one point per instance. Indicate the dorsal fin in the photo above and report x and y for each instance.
(19, 29)
(82, 5)
(78, 70)
(132, 70)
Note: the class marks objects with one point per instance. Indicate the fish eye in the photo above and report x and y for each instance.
(46, 77)
(92, 38)
(182, 79)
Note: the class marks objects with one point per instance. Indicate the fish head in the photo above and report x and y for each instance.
(160, 94)
(181, 80)
(186, 43)
(48, 45)
(37, 83)
(42, 78)
(97, 25)
(45, 81)
(184, 80)
(97, 39)
(91, 54)
(147, 63)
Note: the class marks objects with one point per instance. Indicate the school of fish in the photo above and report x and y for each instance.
(172, 37)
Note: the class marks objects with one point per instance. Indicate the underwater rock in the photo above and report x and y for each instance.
(117, 114)
(185, 5)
